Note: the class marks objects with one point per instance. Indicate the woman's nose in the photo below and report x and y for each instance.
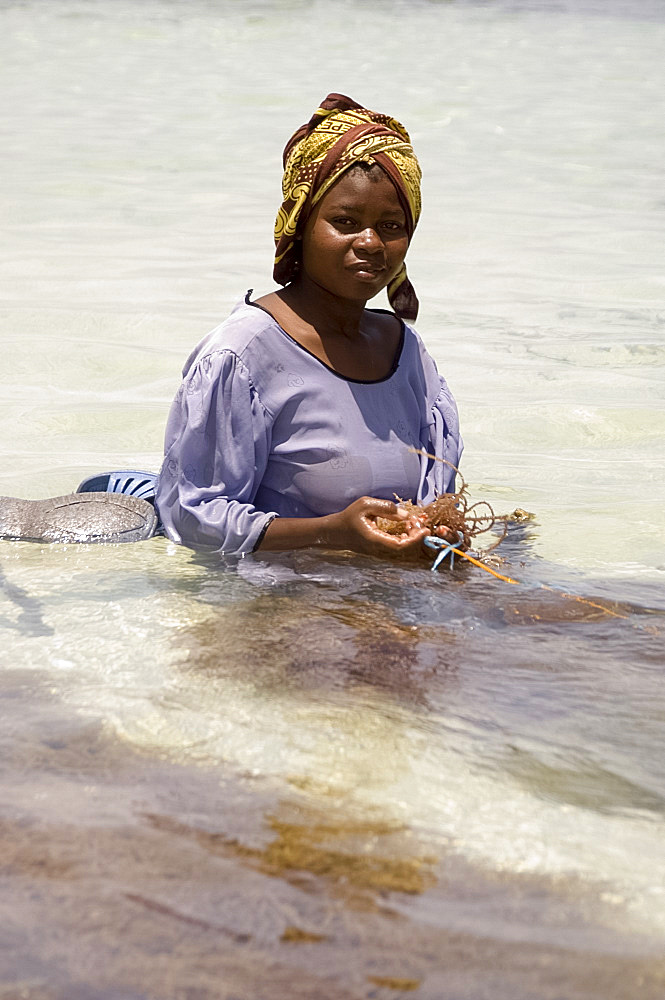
(368, 240)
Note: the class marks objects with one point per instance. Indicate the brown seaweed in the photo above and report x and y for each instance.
(450, 515)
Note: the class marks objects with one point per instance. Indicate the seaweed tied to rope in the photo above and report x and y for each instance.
(451, 515)
(457, 520)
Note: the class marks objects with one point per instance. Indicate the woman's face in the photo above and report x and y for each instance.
(355, 240)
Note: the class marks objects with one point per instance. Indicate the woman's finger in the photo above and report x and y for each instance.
(412, 539)
(373, 507)
(400, 543)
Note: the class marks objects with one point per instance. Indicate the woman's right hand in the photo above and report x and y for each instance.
(355, 528)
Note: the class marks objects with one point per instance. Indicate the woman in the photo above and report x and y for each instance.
(305, 413)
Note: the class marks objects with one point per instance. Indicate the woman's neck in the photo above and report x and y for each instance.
(325, 312)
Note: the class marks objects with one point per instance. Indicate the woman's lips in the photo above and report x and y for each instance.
(366, 271)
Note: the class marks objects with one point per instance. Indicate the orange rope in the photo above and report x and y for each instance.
(583, 600)
(477, 562)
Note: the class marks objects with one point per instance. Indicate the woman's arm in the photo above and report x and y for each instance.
(353, 528)
(217, 443)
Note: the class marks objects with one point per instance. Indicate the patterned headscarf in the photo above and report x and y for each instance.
(339, 135)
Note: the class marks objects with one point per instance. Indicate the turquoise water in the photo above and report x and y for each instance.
(321, 775)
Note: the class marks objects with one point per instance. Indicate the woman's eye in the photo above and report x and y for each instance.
(348, 223)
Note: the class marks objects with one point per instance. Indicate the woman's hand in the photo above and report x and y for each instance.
(355, 528)
(448, 535)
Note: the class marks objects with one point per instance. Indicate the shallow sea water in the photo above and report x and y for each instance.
(321, 775)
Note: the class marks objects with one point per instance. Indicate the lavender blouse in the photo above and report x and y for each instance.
(262, 428)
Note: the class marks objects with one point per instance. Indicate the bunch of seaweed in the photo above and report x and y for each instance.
(451, 515)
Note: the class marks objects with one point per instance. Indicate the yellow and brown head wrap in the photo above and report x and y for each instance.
(338, 135)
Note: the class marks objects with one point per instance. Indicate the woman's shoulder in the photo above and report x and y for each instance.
(237, 334)
(414, 348)
(416, 356)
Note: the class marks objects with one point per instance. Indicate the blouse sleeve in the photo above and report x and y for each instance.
(441, 438)
(216, 451)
